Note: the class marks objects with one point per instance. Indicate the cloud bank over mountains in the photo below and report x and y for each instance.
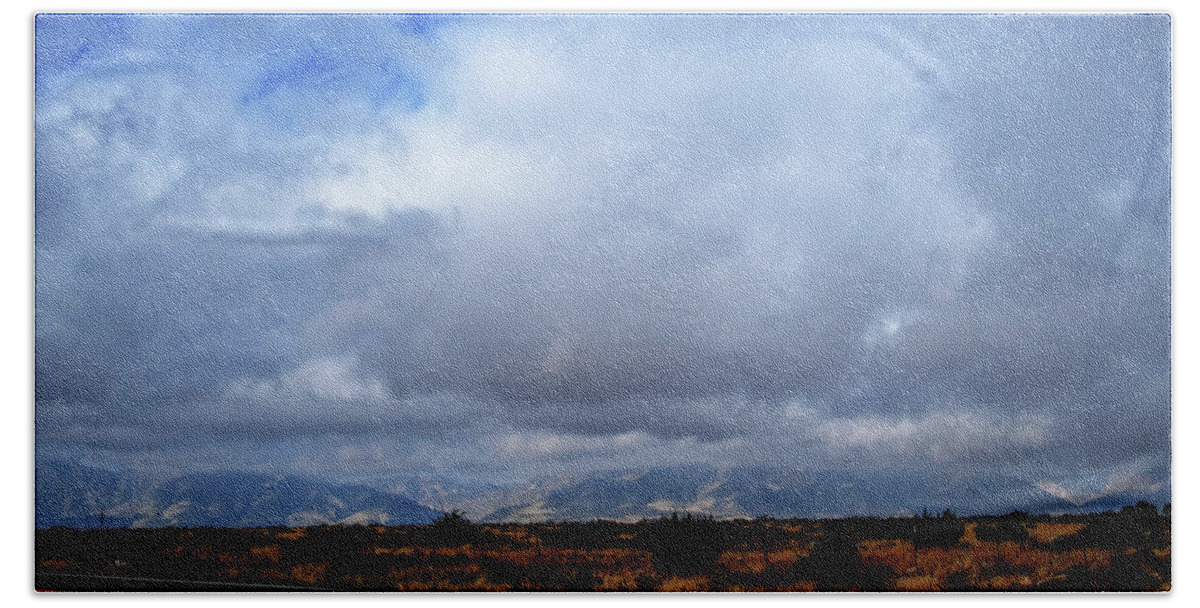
(499, 247)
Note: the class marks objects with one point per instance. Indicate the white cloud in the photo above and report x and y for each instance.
(942, 435)
(326, 379)
(428, 162)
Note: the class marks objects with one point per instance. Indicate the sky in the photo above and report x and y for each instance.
(492, 248)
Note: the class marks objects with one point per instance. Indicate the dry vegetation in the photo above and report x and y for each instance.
(1108, 551)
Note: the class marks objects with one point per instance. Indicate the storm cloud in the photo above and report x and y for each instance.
(506, 246)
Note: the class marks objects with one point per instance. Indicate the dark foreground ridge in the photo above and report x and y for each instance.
(1129, 550)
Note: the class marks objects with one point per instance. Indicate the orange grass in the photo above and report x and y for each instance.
(1044, 532)
(309, 573)
(921, 582)
(978, 560)
(270, 552)
(752, 562)
(624, 580)
(691, 583)
(972, 563)
(895, 554)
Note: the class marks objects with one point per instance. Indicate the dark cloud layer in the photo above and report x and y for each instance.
(518, 245)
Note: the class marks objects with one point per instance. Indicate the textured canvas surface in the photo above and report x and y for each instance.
(690, 302)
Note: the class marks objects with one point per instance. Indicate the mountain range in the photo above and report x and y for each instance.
(81, 496)
(747, 492)
(71, 494)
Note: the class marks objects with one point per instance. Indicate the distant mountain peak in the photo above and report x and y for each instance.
(218, 499)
